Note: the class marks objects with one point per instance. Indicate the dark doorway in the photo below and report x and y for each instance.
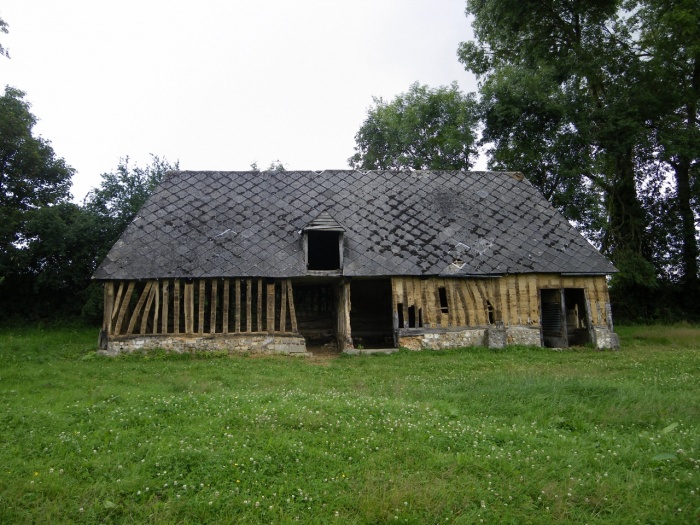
(564, 317)
(370, 313)
(315, 306)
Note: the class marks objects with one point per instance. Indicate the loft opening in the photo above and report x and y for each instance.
(324, 250)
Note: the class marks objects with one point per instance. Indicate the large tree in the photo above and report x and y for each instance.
(423, 128)
(31, 175)
(562, 99)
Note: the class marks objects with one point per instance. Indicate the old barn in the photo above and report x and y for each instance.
(290, 261)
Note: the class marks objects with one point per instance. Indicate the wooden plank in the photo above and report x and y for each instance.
(260, 301)
(214, 304)
(201, 298)
(176, 306)
(124, 306)
(248, 305)
(283, 306)
(237, 299)
(427, 302)
(225, 306)
(165, 309)
(117, 300)
(139, 306)
(156, 311)
(189, 308)
(292, 311)
(271, 308)
(533, 300)
(400, 293)
(512, 301)
(108, 307)
(464, 298)
(453, 315)
(149, 303)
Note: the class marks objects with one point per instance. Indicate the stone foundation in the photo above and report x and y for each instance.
(230, 343)
(491, 337)
(522, 335)
(604, 338)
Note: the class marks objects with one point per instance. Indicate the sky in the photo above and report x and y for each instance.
(218, 85)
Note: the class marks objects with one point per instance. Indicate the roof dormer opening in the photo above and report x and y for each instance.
(323, 250)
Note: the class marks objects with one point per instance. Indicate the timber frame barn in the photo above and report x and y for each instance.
(285, 262)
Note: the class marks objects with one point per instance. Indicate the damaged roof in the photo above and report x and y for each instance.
(250, 224)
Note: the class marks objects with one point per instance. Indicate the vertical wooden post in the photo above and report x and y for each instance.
(248, 305)
(292, 311)
(238, 305)
(202, 300)
(137, 309)
(394, 310)
(225, 306)
(260, 301)
(108, 307)
(152, 293)
(156, 310)
(166, 304)
(176, 306)
(126, 299)
(189, 308)
(214, 305)
(283, 306)
(271, 308)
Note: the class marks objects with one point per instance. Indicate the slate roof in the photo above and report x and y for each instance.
(249, 224)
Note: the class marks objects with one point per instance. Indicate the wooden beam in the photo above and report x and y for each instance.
(201, 297)
(108, 307)
(214, 303)
(176, 306)
(118, 299)
(238, 305)
(225, 306)
(139, 306)
(149, 303)
(292, 311)
(124, 306)
(156, 310)
(271, 308)
(248, 305)
(283, 306)
(189, 308)
(166, 305)
(260, 301)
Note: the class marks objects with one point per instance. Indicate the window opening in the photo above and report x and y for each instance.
(490, 312)
(399, 310)
(323, 250)
(411, 316)
(442, 292)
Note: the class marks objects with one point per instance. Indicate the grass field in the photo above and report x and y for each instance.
(520, 435)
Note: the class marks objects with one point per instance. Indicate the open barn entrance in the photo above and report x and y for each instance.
(315, 305)
(565, 317)
(370, 314)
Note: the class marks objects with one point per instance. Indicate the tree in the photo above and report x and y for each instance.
(31, 175)
(421, 129)
(3, 29)
(582, 107)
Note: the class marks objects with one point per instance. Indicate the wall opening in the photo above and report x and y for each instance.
(323, 250)
(442, 292)
(315, 307)
(564, 317)
(370, 314)
(490, 312)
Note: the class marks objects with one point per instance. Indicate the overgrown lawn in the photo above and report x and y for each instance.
(521, 435)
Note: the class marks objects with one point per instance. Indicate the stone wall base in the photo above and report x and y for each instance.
(231, 343)
(605, 338)
(491, 337)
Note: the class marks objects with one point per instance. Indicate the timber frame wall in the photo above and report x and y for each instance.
(198, 306)
(511, 300)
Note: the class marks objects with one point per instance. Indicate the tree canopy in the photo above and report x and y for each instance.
(423, 128)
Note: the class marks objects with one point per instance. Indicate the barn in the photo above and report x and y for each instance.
(291, 262)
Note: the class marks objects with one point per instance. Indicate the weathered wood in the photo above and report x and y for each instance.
(271, 308)
(260, 301)
(108, 307)
(248, 305)
(238, 305)
(118, 299)
(461, 287)
(156, 310)
(149, 303)
(165, 309)
(225, 306)
(124, 306)
(283, 306)
(214, 305)
(453, 315)
(189, 308)
(292, 311)
(202, 299)
(139, 306)
(428, 304)
(176, 306)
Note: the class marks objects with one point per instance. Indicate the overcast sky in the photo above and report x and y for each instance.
(220, 84)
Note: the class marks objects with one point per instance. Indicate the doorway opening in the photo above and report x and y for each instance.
(315, 306)
(370, 314)
(564, 317)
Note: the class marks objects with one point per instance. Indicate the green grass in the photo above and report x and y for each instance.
(520, 435)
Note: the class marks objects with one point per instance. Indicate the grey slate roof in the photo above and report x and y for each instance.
(249, 224)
